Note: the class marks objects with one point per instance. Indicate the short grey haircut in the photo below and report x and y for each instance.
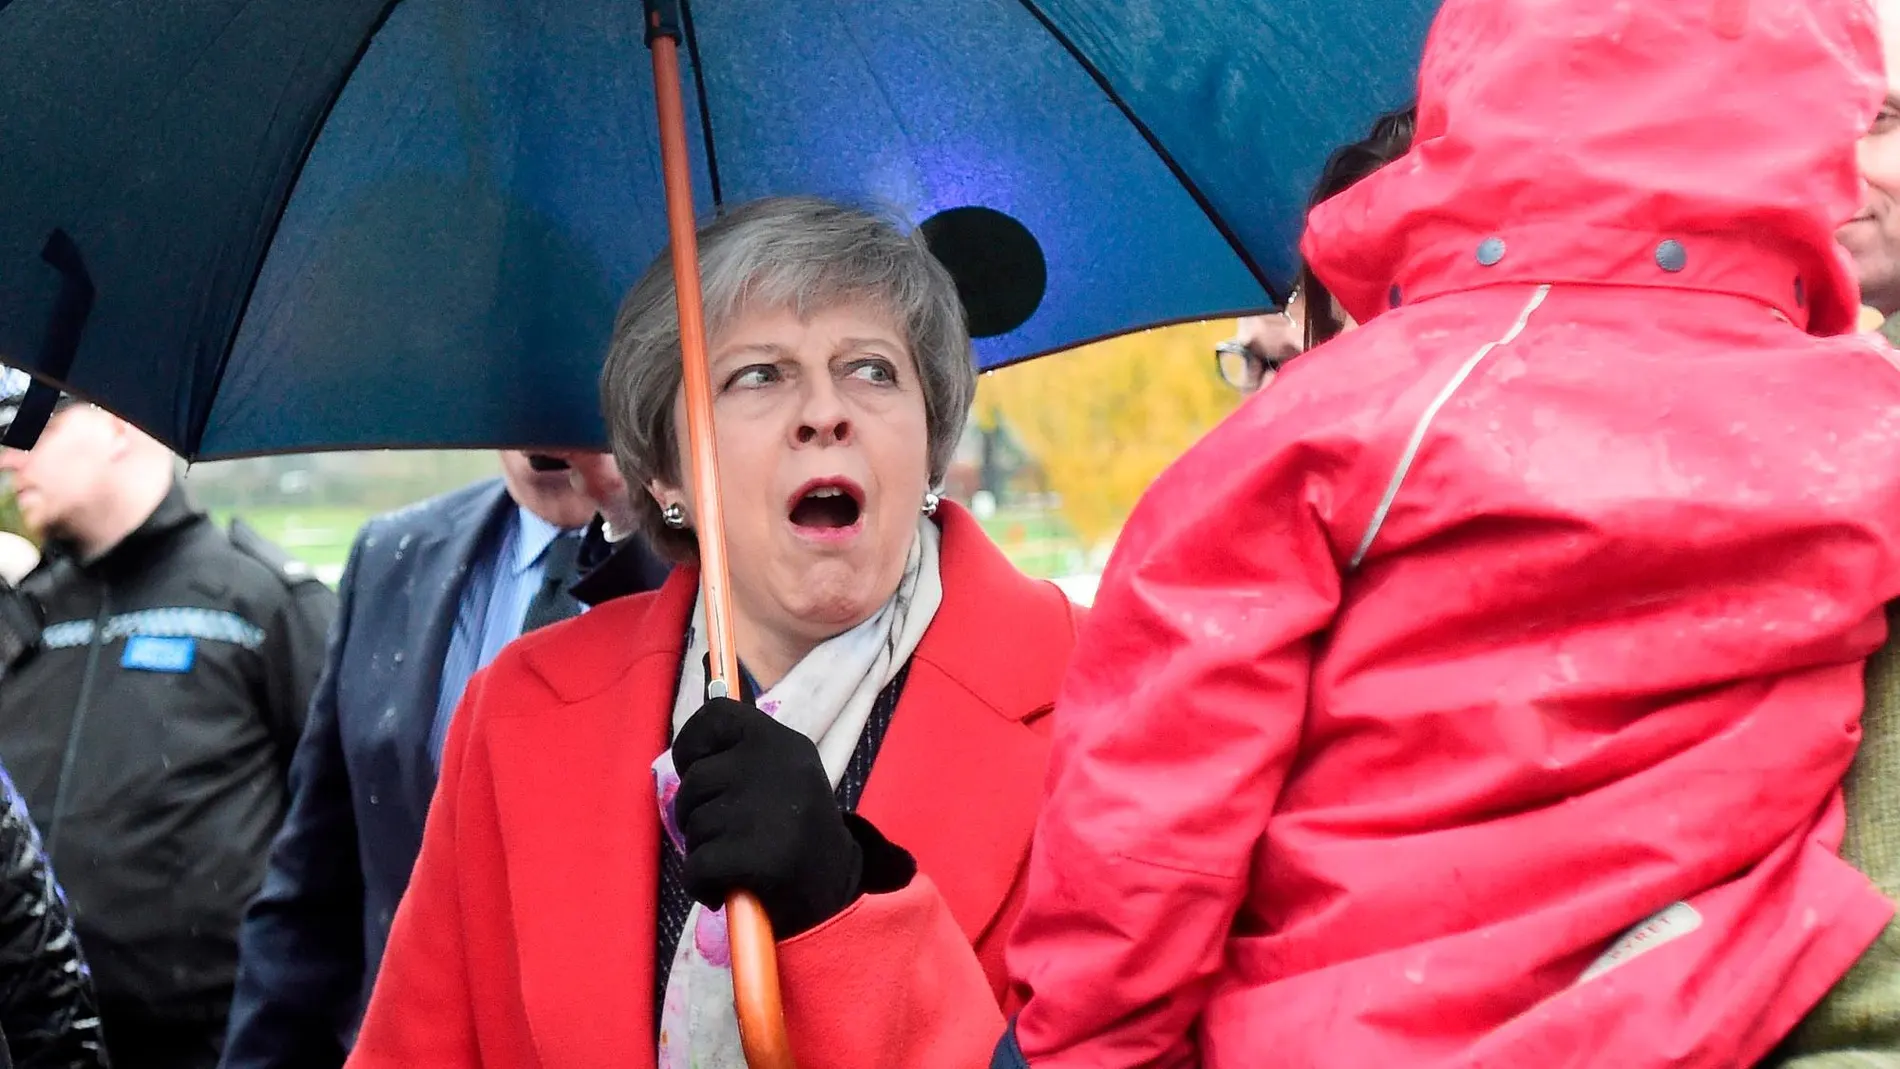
(803, 254)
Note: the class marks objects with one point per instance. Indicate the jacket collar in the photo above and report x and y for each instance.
(993, 658)
(986, 635)
(455, 538)
(979, 603)
(134, 552)
(1562, 255)
(612, 570)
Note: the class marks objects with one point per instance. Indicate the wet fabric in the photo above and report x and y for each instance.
(361, 223)
(1480, 693)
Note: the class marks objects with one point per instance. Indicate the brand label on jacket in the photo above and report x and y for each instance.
(150, 653)
(1671, 924)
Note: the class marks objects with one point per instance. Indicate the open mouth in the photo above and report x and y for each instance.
(827, 506)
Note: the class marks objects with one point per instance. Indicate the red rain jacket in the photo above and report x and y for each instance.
(1479, 694)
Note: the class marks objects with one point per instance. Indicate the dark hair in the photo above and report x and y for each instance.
(1391, 137)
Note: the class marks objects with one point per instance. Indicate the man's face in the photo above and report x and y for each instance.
(67, 475)
(1873, 237)
(550, 495)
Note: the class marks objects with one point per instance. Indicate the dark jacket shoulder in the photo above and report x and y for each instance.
(291, 572)
(475, 503)
(381, 554)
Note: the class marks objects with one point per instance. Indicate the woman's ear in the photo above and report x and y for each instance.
(676, 509)
(665, 493)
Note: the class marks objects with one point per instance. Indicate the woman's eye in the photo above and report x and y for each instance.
(1889, 116)
(753, 377)
(878, 371)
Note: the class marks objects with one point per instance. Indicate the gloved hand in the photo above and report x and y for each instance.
(758, 814)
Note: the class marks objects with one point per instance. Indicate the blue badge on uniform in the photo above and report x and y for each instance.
(151, 653)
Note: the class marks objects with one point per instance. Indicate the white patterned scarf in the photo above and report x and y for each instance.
(827, 697)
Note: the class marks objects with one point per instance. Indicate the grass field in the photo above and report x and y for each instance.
(1039, 543)
(320, 537)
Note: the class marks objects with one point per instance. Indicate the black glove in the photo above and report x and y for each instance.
(759, 815)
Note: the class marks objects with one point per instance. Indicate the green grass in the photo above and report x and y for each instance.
(320, 537)
(1040, 543)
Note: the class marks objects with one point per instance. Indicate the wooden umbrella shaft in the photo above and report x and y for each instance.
(754, 950)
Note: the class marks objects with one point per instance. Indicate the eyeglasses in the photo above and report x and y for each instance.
(1242, 368)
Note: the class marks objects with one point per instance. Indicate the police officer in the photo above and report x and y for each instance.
(150, 727)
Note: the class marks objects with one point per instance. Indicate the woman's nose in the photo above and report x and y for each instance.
(823, 420)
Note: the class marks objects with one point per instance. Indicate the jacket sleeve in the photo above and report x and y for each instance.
(422, 1010)
(48, 1012)
(300, 970)
(1173, 733)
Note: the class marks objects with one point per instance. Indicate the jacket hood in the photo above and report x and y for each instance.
(1702, 144)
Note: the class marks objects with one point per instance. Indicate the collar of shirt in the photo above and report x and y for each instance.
(533, 536)
(501, 583)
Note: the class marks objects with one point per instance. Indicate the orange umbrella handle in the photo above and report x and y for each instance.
(749, 932)
(755, 984)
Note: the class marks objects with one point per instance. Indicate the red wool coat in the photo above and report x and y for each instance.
(527, 935)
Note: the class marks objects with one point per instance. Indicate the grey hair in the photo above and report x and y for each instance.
(798, 253)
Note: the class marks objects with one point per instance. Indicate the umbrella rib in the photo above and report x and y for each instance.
(200, 422)
(705, 108)
(1167, 158)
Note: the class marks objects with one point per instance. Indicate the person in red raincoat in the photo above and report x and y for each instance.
(1479, 694)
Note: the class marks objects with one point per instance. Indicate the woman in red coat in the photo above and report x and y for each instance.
(880, 794)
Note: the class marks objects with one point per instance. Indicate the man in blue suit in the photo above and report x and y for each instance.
(430, 594)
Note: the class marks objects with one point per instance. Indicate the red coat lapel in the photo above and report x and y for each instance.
(959, 778)
(574, 790)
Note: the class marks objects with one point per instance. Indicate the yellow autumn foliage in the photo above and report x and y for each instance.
(1105, 419)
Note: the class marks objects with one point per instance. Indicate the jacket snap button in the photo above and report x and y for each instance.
(1392, 298)
(1671, 256)
(1490, 251)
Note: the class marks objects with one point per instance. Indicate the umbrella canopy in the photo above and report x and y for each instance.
(273, 225)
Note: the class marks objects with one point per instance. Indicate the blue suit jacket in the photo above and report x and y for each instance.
(360, 785)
